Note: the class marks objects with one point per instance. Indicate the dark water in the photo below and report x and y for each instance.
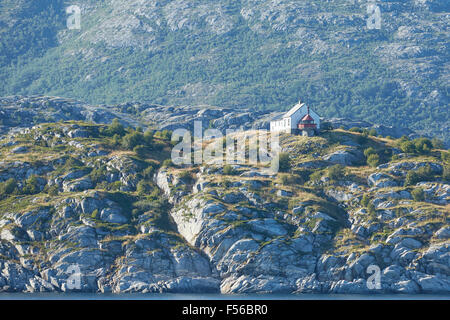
(93, 296)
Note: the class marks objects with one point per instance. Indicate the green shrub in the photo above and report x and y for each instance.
(140, 151)
(31, 185)
(411, 178)
(418, 194)
(132, 139)
(445, 156)
(148, 172)
(373, 132)
(164, 135)
(167, 163)
(143, 187)
(437, 143)
(373, 160)
(284, 162)
(407, 147)
(423, 145)
(336, 172)
(290, 179)
(446, 173)
(228, 170)
(94, 214)
(98, 174)
(148, 137)
(315, 176)
(114, 186)
(115, 128)
(8, 187)
(52, 191)
(185, 175)
(371, 210)
(422, 174)
(369, 151)
(365, 200)
(355, 129)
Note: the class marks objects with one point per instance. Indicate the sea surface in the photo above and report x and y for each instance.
(102, 296)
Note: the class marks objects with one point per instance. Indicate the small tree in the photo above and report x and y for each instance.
(407, 147)
(228, 170)
(148, 172)
(418, 194)
(140, 151)
(315, 176)
(422, 174)
(167, 163)
(369, 151)
(411, 178)
(143, 188)
(423, 145)
(365, 200)
(437, 143)
(8, 187)
(284, 162)
(446, 173)
(115, 128)
(31, 185)
(373, 160)
(132, 139)
(336, 172)
(371, 209)
(148, 137)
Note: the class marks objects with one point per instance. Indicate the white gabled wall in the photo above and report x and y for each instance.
(297, 116)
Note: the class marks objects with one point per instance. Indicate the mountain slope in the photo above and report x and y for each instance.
(240, 54)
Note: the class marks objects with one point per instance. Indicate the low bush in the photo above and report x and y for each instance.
(422, 174)
(418, 194)
(284, 162)
(336, 172)
(228, 170)
(373, 160)
(8, 187)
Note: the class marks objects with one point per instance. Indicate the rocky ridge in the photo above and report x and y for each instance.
(141, 226)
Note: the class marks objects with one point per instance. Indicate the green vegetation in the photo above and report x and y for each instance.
(422, 174)
(228, 170)
(373, 160)
(418, 194)
(31, 185)
(8, 187)
(416, 146)
(291, 179)
(336, 172)
(365, 200)
(284, 162)
(115, 128)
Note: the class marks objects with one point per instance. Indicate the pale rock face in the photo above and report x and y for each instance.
(345, 157)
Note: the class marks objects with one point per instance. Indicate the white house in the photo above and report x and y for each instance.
(295, 121)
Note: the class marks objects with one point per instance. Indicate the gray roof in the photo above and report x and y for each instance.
(293, 110)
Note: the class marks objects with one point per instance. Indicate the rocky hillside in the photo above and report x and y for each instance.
(21, 112)
(262, 54)
(105, 198)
